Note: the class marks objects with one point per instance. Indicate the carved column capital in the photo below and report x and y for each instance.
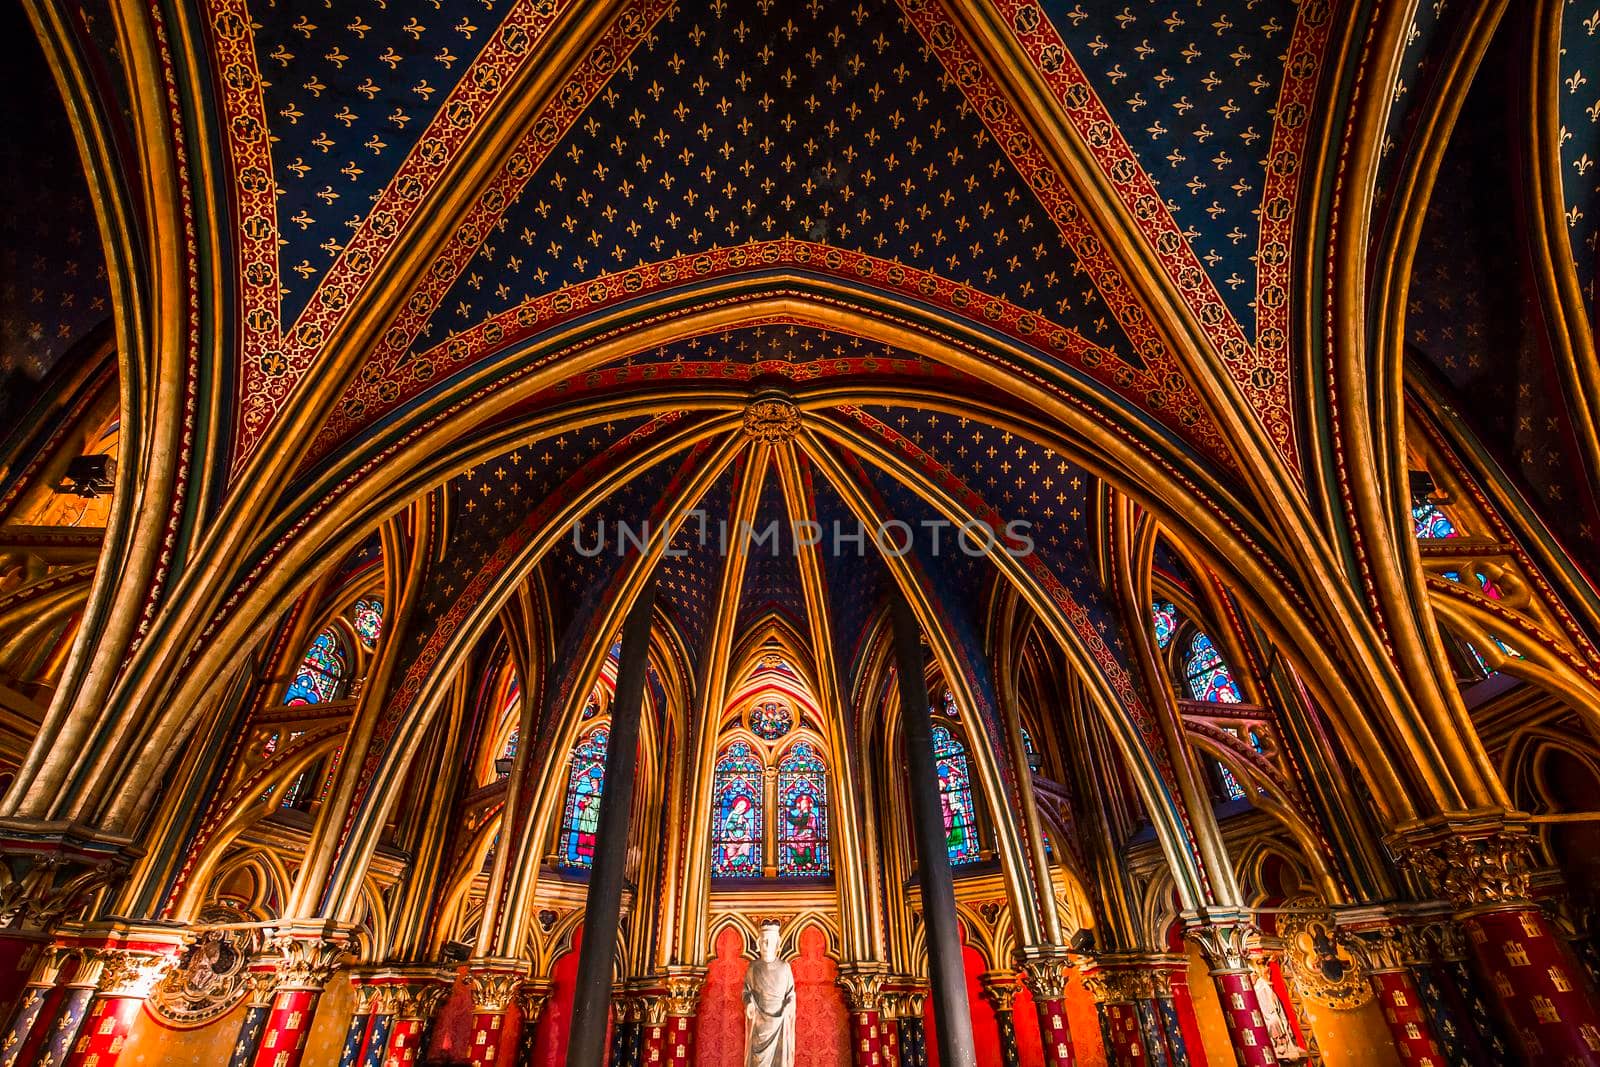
(683, 989)
(308, 956)
(1477, 867)
(531, 996)
(131, 973)
(1044, 972)
(495, 982)
(1119, 980)
(1224, 940)
(51, 880)
(409, 993)
(999, 989)
(863, 986)
(910, 1000)
(1383, 939)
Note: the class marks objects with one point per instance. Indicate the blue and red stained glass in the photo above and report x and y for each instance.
(367, 618)
(1165, 619)
(586, 782)
(1428, 521)
(736, 813)
(771, 720)
(1230, 784)
(321, 672)
(955, 797)
(803, 799)
(1208, 677)
(950, 710)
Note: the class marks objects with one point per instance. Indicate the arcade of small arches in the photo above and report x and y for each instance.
(1082, 516)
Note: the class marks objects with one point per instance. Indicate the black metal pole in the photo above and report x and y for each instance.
(591, 1002)
(952, 1017)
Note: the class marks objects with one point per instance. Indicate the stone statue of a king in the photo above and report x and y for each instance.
(769, 1006)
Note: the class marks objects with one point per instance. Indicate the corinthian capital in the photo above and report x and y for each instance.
(494, 982)
(308, 958)
(1224, 940)
(131, 973)
(1044, 972)
(863, 986)
(683, 989)
(1473, 867)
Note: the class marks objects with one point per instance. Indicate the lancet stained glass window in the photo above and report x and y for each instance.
(367, 617)
(586, 783)
(1208, 677)
(803, 803)
(955, 797)
(1165, 619)
(736, 813)
(321, 672)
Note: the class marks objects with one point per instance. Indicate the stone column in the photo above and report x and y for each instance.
(913, 1031)
(889, 1028)
(1120, 985)
(25, 1021)
(1169, 983)
(308, 957)
(1000, 990)
(652, 1008)
(591, 1002)
(947, 978)
(863, 994)
(633, 1023)
(360, 1025)
(257, 1006)
(494, 984)
(1044, 972)
(530, 1002)
(127, 975)
(683, 1004)
(64, 1015)
(1463, 1019)
(1392, 952)
(1222, 939)
(621, 1006)
(412, 996)
(1545, 1001)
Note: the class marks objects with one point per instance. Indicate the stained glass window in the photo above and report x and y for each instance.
(586, 782)
(1208, 677)
(1165, 619)
(771, 720)
(950, 709)
(1428, 521)
(955, 797)
(333, 771)
(321, 672)
(367, 617)
(1027, 746)
(591, 709)
(503, 762)
(1230, 784)
(736, 813)
(803, 801)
